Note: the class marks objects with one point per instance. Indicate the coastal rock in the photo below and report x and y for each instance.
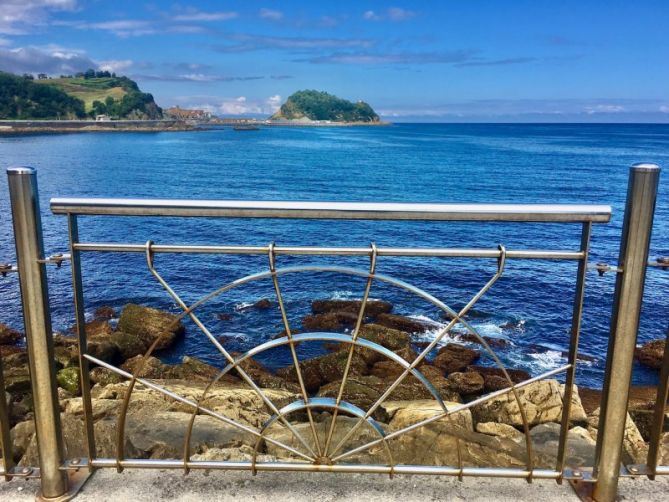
(494, 378)
(493, 342)
(329, 321)
(68, 379)
(17, 380)
(150, 324)
(363, 391)
(21, 435)
(643, 417)
(454, 357)
(439, 442)
(105, 313)
(9, 336)
(372, 308)
(651, 353)
(151, 367)
(242, 454)
(363, 434)
(580, 448)
(500, 430)
(324, 369)
(403, 323)
(466, 383)
(635, 449)
(542, 402)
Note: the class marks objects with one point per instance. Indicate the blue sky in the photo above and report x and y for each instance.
(474, 60)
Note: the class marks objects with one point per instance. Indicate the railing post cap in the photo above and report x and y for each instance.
(645, 166)
(20, 170)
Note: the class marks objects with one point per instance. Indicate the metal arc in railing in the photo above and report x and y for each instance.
(326, 403)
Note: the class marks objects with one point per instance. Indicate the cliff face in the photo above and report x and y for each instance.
(317, 105)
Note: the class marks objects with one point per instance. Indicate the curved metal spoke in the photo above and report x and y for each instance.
(356, 331)
(426, 351)
(226, 354)
(293, 351)
(328, 403)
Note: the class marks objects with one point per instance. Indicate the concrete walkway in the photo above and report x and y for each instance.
(150, 486)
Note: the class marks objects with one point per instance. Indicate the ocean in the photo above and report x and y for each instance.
(530, 306)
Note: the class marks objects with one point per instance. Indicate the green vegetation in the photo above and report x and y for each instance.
(71, 97)
(21, 98)
(317, 105)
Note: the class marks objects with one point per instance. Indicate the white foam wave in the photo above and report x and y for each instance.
(546, 361)
(243, 306)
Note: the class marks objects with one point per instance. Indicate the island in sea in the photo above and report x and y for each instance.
(310, 107)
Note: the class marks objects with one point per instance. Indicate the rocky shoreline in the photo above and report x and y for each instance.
(486, 434)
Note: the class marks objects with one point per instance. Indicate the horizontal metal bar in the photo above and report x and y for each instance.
(662, 470)
(561, 213)
(332, 251)
(341, 468)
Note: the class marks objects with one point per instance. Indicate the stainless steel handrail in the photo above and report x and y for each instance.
(556, 213)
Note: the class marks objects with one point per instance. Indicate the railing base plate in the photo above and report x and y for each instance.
(582, 489)
(76, 480)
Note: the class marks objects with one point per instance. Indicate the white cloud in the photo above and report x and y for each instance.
(123, 28)
(195, 15)
(115, 65)
(395, 14)
(274, 103)
(604, 108)
(19, 16)
(271, 14)
(664, 108)
(52, 59)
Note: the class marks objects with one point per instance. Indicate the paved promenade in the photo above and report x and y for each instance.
(151, 486)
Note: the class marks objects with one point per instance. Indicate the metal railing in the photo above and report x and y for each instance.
(330, 455)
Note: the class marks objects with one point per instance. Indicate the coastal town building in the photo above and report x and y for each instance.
(185, 114)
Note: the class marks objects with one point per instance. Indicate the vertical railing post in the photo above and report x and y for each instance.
(633, 259)
(37, 320)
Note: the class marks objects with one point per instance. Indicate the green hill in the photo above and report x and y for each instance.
(318, 105)
(22, 99)
(86, 94)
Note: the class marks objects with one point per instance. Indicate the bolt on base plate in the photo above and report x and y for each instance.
(75, 481)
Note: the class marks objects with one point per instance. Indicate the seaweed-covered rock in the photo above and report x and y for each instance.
(104, 376)
(150, 325)
(68, 379)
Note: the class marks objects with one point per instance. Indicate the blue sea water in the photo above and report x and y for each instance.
(404, 163)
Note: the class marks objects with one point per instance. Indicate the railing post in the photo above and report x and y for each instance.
(37, 320)
(634, 244)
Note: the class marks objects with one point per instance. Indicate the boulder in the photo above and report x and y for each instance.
(542, 402)
(242, 454)
(21, 435)
(643, 417)
(403, 323)
(466, 383)
(493, 342)
(494, 378)
(104, 376)
(580, 450)
(150, 325)
(500, 430)
(329, 321)
(363, 391)
(437, 443)
(372, 308)
(651, 353)
(17, 380)
(324, 369)
(9, 336)
(190, 368)
(635, 449)
(104, 313)
(455, 357)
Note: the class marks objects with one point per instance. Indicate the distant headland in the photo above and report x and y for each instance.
(310, 107)
(102, 101)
